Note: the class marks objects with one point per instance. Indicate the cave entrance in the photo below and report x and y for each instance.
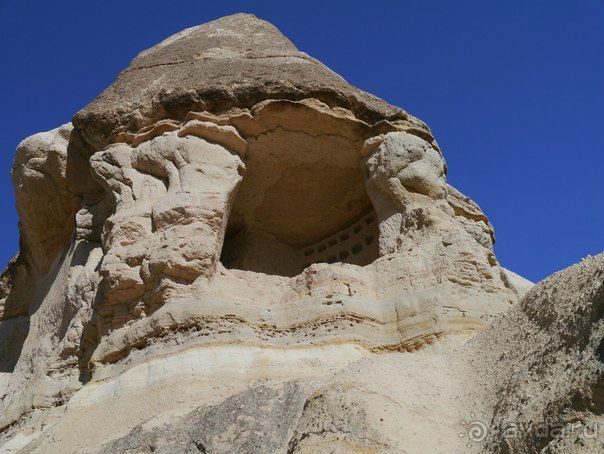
(302, 201)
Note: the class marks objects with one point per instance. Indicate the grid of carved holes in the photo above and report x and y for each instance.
(344, 245)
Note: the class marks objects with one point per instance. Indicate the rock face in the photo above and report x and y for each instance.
(234, 250)
(539, 370)
(497, 393)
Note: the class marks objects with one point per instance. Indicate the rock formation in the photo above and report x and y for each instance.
(231, 249)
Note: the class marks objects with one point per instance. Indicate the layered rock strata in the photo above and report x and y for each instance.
(230, 210)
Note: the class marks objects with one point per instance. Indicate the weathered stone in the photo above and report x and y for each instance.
(234, 62)
(233, 249)
(539, 370)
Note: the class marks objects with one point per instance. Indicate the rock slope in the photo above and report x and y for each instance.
(540, 368)
(233, 249)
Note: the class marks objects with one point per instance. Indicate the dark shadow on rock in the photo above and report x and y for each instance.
(13, 333)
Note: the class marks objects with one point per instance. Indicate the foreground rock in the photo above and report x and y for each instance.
(540, 368)
(232, 249)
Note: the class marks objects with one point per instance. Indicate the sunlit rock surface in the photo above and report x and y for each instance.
(234, 250)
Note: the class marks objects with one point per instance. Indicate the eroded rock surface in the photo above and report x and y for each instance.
(497, 393)
(232, 249)
(540, 368)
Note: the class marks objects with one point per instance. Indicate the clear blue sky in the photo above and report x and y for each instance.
(513, 91)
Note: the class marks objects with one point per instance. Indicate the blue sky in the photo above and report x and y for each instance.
(513, 91)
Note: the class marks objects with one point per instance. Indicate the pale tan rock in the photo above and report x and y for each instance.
(195, 255)
(223, 134)
(520, 285)
(444, 398)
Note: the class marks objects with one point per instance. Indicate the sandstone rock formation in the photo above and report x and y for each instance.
(233, 250)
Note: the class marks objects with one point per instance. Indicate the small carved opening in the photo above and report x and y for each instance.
(261, 252)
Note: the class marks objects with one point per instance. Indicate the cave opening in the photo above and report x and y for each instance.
(302, 200)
